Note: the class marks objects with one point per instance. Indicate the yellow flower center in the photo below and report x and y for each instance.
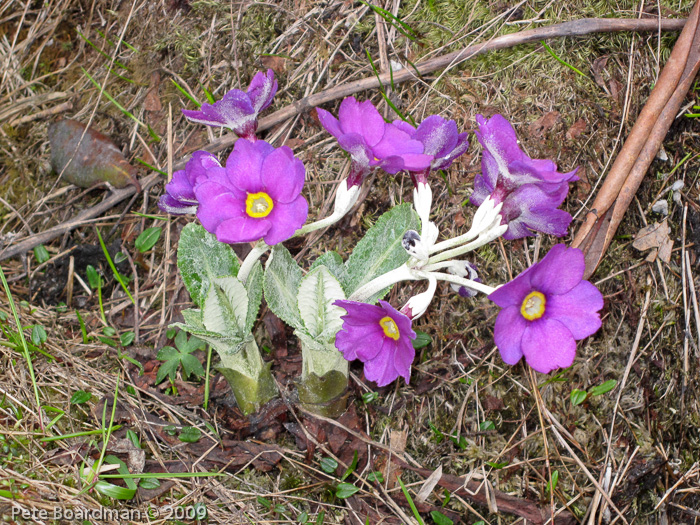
(533, 306)
(258, 205)
(390, 328)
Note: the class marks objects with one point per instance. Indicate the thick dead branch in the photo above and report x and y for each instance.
(640, 148)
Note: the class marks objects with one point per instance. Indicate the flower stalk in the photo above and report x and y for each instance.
(250, 378)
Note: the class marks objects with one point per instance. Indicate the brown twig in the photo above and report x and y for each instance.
(43, 237)
(625, 176)
(574, 28)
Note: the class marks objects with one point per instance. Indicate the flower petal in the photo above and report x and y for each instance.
(395, 142)
(285, 219)
(329, 122)
(244, 165)
(283, 175)
(361, 118)
(356, 146)
(216, 204)
(559, 271)
(359, 343)
(514, 292)
(438, 135)
(403, 358)
(262, 90)
(175, 207)
(381, 369)
(547, 345)
(508, 333)
(577, 309)
(242, 229)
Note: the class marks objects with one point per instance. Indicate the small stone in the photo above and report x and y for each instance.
(677, 186)
(660, 207)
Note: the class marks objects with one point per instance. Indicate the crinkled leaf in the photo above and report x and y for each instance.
(201, 258)
(334, 262)
(380, 250)
(317, 292)
(226, 307)
(193, 316)
(281, 284)
(181, 340)
(254, 285)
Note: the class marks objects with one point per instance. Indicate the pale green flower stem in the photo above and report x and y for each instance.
(323, 388)
(250, 378)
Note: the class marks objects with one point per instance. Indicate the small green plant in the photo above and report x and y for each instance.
(148, 238)
(181, 354)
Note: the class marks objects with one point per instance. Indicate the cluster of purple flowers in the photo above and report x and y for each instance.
(393, 147)
(257, 195)
(531, 190)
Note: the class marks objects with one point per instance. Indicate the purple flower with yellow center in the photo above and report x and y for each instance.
(546, 309)
(440, 138)
(531, 190)
(371, 142)
(256, 196)
(238, 110)
(179, 197)
(380, 336)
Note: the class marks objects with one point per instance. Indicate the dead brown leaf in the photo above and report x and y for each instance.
(655, 236)
(576, 129)
(545, 123)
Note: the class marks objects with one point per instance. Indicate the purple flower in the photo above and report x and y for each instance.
(380, 336)
(546, 309)
(371, 142)
(179, 197)
(531, 189)
(256, 196)
(238, 110)
(440, 138)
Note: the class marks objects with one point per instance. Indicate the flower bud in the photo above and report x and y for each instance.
(418, 304)
(415, 246)
(467, 270)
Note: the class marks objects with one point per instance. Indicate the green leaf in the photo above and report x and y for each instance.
(496, 465)
(375, 476)
(80, 397)
(487, 425)
(149, 483)
(603, 388)
(114, 491)
(578, 396)
(422, 340)
(166, 353)
(191, 365)
(334, 262)
(94, 279)
(555, 479)
(380, 250)
(254, 286)
(351, 468)
(119, 258)
(281, 284)
(41, 254)
(369, 397)
(148, 238)
(317, 292)
(201, 258)
(127, 338)
(264, 502)
(190, 434)
(439, 518)
(345, 490)
(329, 465)
(38, 335)
(167, 369)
